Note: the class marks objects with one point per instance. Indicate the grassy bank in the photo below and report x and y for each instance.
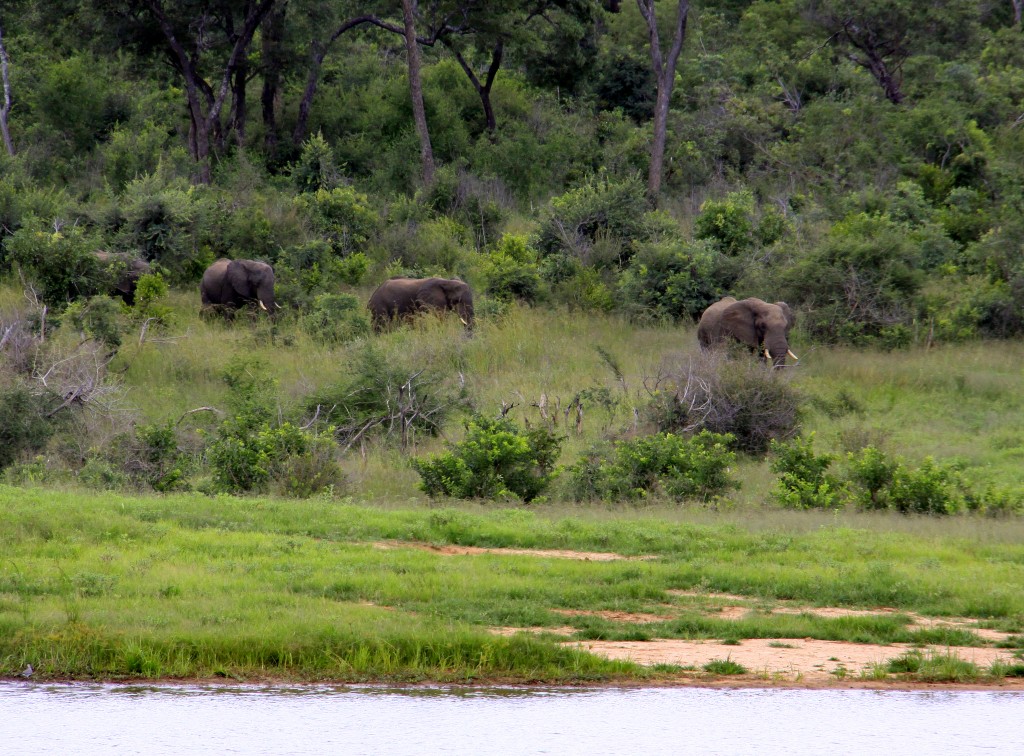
(190, 586)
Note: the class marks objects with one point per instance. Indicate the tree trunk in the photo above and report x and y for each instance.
(207, 123)
(1018, 10)
(239, 104)
(419, 113)
(665, 75)
(271, 63)
(483, 90)
(5, 109)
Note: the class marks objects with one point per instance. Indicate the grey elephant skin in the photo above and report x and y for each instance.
(402, 298)
(760, 325)
(129, 271)
(231, 284)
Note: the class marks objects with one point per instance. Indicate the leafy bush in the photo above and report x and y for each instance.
(251, 452)
(96, 318)
(26, 421)
(930, 489)
(674, 280)
(150, 457)
(710, 391)
(336, 319)
(159, 216)
(317, 168)
(61, 264)
(804, 481)
(601, 222)
(381, 396)
(342, 216)
(511, 270)
(678, 467)
(495, 459)
(150, 290)
(871, 474)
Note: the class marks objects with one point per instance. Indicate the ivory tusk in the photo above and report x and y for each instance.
(262, 306)
(463, 321)
(793, 355)
(767, 354)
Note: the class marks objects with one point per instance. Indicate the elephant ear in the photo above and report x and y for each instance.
(788, 312)
(739, 321)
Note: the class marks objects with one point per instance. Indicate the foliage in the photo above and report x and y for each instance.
(674, 280)
(731, 225)
(380, 396)
(495, 459)
(60, 264)
(662, 464)
(26, 421)
(804, 481)
(151, 456)
(342, 216)
(316, 170)
(336, 319)
(150, 291)
(512, 271)
(252, 452)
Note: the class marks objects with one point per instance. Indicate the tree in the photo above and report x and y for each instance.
(187, 28)
(879, 35)
(665, 73)
(5, 109)
(419, 113)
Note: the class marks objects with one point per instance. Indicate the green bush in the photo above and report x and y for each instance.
(804, 481)
(674, 280)
(160, 214)
(381, 396)
(317, 167)
(871, 474)
(96, 318)
(494, 460)
(336, 319)
(342, 216)
(26, 421)
(62, 264)
(677, 467)
(930, 489)
(150, 457)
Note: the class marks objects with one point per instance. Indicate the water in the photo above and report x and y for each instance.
(39, 718)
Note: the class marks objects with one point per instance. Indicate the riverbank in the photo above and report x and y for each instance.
(111, 587)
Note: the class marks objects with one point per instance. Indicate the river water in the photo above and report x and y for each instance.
(66, 719)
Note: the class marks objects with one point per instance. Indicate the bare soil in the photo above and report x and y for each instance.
(450, 550)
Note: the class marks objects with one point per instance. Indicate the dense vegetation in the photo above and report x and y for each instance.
(863, 161)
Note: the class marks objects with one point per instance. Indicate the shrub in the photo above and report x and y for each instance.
(674, 280)
(26, 421)
(511, 270)
(96, 318)
(150, 457)
(389, 398)
(317, 168)
(336, 319)
(342, 216)
(804, 482)
(871, 474)
(149, 291)
(495, 459)
(678, 467)
(600, 222)
(61, 264)
(930, 489)
(741, 397)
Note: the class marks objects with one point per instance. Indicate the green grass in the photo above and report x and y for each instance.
(104, 585)
(724, 667)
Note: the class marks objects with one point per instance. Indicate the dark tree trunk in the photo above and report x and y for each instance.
(238, 101)
(419, 112)
(1018, 11)
(664, 74)
(272, 64)
(483, 90)
(5, 108)
(205, 122)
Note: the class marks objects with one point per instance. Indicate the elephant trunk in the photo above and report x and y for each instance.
(777, 349)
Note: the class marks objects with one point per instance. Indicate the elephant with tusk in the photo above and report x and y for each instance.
(758, 324)
(230, 284)
(403, 298)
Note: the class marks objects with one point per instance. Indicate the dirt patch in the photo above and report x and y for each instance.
(451, 550)
(917, 621)
(785, 659)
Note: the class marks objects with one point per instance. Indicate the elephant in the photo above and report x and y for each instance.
(402, 298)
(756, 323)
(230, 284)
(129, 271)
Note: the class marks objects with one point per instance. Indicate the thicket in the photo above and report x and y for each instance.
(907, 232)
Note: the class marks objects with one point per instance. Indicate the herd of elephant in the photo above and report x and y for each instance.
(230, 284)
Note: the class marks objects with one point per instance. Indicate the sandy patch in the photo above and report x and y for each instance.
(917, 621)
(450, 550)
(806, 660)
(509, 631)
(709, 595)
